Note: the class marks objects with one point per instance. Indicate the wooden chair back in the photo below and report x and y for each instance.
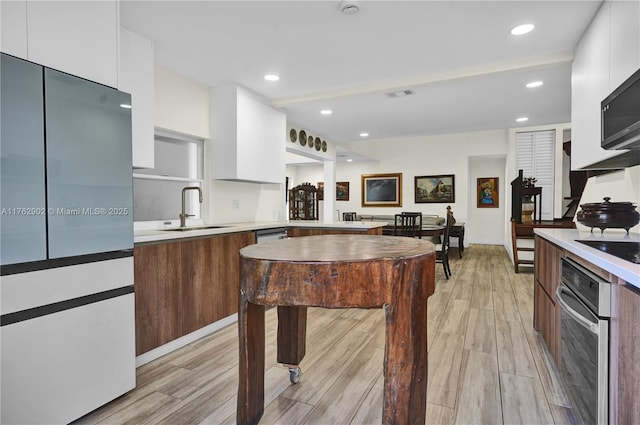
(408, 224)
(349, 216)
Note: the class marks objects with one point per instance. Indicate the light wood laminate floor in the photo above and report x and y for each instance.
(486, 363)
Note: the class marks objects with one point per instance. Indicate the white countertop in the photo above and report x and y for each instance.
(155, 235)
(566, 238)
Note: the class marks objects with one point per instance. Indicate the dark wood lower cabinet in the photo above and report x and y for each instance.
(158, 295)
(624, 337)
(547, 320)
(546, 313)
(210, 279)
(185, 285)
(624, 362)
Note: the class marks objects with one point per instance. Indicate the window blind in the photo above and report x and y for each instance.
(535, 155)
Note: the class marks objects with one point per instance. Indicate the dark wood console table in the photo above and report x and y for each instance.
(335, 271)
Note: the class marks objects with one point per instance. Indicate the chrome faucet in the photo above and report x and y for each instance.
(183, 214)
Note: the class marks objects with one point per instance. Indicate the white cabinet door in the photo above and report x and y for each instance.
(61, 366)
(625, 41)
(181, 105)
(248, 137)
(13, 28)
(136, 78)
(77, 37)
(589, 86)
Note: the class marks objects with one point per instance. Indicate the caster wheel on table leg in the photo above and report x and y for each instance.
(294, 374)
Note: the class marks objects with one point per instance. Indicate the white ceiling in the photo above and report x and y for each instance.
(468, 73)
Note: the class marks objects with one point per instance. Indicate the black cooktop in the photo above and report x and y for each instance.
(627, 250)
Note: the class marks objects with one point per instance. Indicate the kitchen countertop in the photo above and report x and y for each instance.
(566, 238)
(156, 235)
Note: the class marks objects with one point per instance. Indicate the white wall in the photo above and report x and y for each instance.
(620, 186)
(486, 225)
(237, 202)
(419, 156)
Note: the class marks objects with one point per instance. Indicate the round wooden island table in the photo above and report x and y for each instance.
(338, 271)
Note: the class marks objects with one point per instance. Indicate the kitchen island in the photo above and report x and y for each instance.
(624, 333)
(186, 281)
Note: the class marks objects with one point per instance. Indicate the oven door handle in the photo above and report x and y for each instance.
(592, 327)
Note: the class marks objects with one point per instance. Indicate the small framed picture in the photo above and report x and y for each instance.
(488, 192)
(342, 191)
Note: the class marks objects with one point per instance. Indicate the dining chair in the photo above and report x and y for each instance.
(442, 249)
(348, 216)
(408, 224)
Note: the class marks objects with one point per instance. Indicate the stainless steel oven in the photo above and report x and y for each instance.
(584, 299)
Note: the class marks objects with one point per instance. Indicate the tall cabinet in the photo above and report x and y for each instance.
(303, 202)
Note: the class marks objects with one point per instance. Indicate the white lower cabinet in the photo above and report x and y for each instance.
(68, 341)
(59, 367)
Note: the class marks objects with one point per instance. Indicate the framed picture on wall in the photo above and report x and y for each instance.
(381, 190)
(435, 189)
(342, 191)
(487, 189)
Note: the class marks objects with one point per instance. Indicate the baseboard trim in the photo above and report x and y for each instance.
(169, 347)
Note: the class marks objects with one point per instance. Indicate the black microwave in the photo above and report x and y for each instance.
(621, 116)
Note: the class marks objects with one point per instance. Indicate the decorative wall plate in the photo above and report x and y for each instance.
(318, 144)
(303, 138)
(310, 141)
(293, 135)
(324, 146)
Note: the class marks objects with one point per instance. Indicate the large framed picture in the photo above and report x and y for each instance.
(488, 192)
(382, 190)
(342, 191)
(434, 189)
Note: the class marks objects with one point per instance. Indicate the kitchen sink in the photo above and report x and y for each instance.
(185, 229)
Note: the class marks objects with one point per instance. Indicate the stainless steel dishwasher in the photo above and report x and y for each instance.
(271, 234)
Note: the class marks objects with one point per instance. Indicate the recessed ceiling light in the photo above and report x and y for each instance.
(534, 84)
(349, 160)
(522, 29)
(271, 77)
(326, 112)
(400, 93)
(364, 134)
(125, 106)
(349, 7)
(522, 119)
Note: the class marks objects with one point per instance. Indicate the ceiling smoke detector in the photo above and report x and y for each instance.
(400, 93)
(349, 7)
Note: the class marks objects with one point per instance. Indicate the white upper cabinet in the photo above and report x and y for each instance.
(625, 41)
(136, 78)
(76, 37)
(13, 28)
(589, 85)
(248, 137)
(181, 104)
(607, 54)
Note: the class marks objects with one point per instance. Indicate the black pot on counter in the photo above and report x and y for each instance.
(604, 215)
